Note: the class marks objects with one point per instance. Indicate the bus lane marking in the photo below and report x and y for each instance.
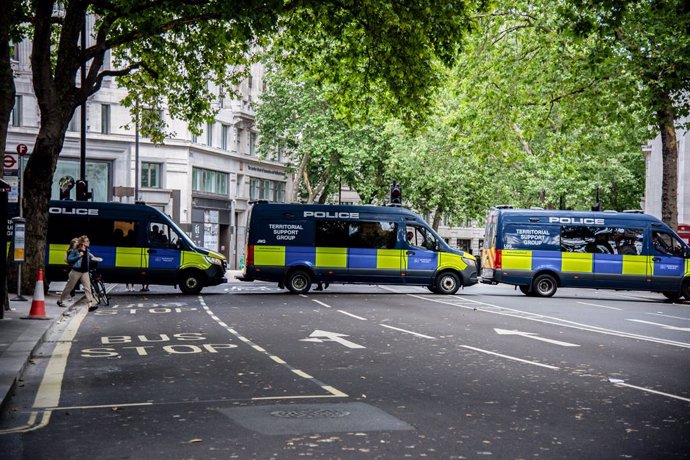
(513, 313)
(350, 314)
(663, 326)
(332, 391)
(408, 332)
(48, 394)
(621, 383)
(534, 336)
(512, 358)
(600, 306)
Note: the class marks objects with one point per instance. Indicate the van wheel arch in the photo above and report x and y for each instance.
(191, 281)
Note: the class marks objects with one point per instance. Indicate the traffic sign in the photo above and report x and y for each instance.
(22, 149)
(9, 162)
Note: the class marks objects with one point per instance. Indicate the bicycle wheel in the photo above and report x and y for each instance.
(99, 292)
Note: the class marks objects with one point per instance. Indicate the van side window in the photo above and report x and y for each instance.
(162, 236)
(421, 238)
(602, 240)
(372, 235)
(331, 234)
(664, 243)
(124, 234)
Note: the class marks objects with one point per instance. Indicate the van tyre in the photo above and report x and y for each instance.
(447, 283)
(527, 290)
(685, 289)
(544, 285)
(191, 282)
(672, 296)
(298, 282)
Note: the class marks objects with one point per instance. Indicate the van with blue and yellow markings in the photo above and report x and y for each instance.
(540, 250)
(138, 244)
(296, 245)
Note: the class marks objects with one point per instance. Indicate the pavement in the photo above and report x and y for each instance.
(20, 338)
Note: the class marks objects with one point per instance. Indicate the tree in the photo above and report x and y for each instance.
(650, 40)
(166, 52)
(294, 118)
(552, 122)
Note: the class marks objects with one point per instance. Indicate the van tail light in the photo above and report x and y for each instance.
(498, 260)
(250, 255)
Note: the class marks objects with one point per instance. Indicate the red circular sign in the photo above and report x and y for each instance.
(22, 149)
(9, 162)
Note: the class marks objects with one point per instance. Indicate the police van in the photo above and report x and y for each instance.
(138, 244)
(296, 245)
(540, 250)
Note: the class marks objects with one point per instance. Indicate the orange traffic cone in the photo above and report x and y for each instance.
(38, 305)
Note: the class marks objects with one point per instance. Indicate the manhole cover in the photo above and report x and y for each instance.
(310, 413)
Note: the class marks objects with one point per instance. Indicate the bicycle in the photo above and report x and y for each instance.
(98, 288)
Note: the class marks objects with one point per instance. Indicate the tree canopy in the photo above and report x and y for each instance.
(165, 53)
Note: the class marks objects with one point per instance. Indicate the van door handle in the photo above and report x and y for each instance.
(151, 251)
(656, 259)
(410, 253)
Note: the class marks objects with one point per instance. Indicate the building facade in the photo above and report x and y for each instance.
(203, 182)
(654, 175)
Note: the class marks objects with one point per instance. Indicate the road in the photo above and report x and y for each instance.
(248, 371)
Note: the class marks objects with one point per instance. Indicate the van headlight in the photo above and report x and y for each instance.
(213, 260)
(469, 262)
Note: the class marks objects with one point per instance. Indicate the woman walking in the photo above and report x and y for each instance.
(80, 258)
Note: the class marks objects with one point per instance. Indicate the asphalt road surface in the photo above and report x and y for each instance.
(250, 371)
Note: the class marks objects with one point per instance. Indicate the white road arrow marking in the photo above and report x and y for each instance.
(532, 335)
(665, 326)
(325, 336)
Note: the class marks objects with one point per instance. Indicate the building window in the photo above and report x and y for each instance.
(105, 118)
(252, 144)
(225, 134)
(150, 175)
(14, 51)
(209, 135)
(151, 121)
(17, 111)
(264, 189)
(238, 140)
(75, 121)
(207, 181)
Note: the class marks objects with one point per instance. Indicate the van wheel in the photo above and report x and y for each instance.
(527, 290)
(190, 282)
(544, 285)
(447, 283)
(685, 289)
(673, 296)
(298, 282)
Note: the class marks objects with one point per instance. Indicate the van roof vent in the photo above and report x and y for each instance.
(634, 211)
(610, 211)
(536, 208)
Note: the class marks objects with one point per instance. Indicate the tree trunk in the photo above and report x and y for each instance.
(669, 153)
(7, 95)
(36, 197)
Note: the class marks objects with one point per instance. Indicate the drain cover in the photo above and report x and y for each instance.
(314, 418)
(311, 413)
